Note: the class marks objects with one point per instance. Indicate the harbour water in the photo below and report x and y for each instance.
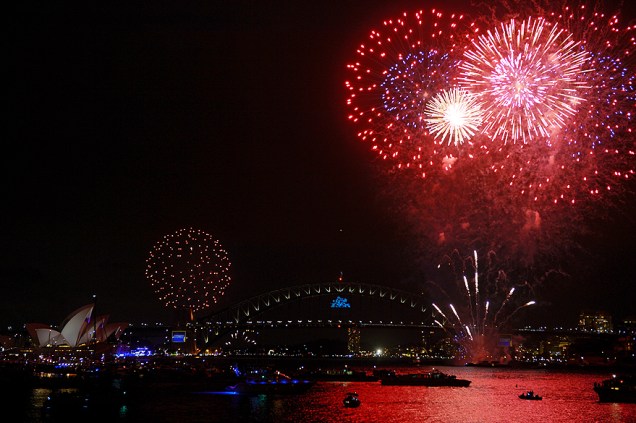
(491, 397)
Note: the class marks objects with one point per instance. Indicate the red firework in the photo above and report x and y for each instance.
(396, 72)
(526, 75)
(523, 201)
(592, 157)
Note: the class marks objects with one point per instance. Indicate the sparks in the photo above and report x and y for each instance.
(454, 113)
(526, 74)
(189, 270)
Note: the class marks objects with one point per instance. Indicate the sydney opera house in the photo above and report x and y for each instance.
(79, 329)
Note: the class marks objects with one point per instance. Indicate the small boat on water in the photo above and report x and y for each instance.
(432, 378)
(276, 383)
(530, 395)
(485, 363)
(619, 388)
(341, 375)
(351, 400)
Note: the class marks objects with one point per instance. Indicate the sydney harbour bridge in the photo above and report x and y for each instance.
(321, 305)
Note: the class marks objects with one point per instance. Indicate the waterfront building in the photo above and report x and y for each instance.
(627, 326)
(353, 341)
(598, 321)
(78, 329)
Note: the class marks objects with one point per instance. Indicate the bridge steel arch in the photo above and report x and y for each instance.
(248, 309)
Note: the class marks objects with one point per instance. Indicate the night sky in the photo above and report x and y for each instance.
(130, 120)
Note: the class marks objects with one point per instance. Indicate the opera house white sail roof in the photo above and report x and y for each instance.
(79, 328)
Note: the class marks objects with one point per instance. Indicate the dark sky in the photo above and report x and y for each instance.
(130, 120)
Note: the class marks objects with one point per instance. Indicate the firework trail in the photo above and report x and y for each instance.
(512, 291)
(241, 340)
(528, 304)
(470, 302)
(495, 293)
(459, 320)
(478, 335)
(440, 311)
(477, 285)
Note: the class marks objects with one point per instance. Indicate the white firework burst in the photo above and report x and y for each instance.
(455, 114)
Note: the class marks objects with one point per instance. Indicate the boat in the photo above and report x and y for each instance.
(341, 375)
(351, 400)
(530, 395)
(380, 373)
(276, 383)
(432, 378)
(619, 388)
(486, 363)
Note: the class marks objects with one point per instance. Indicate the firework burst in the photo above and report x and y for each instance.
(592, 157)
(189, 270)
(555, 149)
(454, 113)
(489, 305)
(241, 340)
(527, 75)
(400, 68)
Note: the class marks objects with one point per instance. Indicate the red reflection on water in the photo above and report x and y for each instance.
(491, 397)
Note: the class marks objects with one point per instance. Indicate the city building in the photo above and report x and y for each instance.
(598, 321)
(627, 326)
(353, 341)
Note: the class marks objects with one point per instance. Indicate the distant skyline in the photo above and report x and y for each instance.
(131, 121)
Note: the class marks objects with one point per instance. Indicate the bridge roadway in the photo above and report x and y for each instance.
(317, 323)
